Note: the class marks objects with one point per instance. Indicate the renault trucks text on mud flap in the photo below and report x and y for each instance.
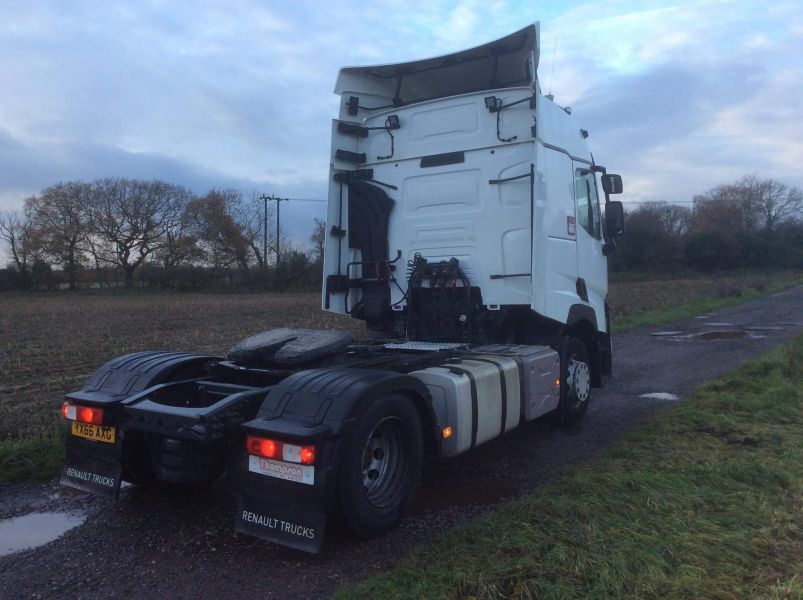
(464, 228)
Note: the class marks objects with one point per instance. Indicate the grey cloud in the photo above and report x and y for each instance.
(656, 125)
(25, 170)
(666, 103)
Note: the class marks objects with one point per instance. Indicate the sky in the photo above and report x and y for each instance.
(678, 97)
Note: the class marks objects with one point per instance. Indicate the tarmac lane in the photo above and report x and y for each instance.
(182, 545)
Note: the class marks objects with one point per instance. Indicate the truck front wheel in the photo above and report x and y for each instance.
(575, 381)
(381, 466)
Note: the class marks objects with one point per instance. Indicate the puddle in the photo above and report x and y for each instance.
(722, 334)
(702, 317)
(35, 529)
(710, 334)
(659, 396)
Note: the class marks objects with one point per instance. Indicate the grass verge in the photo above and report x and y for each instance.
(705, 500)
(38, 457)
(695, 306)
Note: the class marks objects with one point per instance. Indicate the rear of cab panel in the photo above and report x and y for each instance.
(516, 240)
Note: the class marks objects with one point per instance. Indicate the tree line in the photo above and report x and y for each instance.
(752, 223)
(119, 231)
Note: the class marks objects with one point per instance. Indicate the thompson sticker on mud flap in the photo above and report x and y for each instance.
(300, 529)
(92, 467)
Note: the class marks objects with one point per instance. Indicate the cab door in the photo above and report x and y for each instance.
(592, 266)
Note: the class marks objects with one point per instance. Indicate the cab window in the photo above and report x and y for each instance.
(585, 192)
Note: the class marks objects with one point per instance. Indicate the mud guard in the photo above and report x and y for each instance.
(96, 466)
(283, 524)
(320, 407)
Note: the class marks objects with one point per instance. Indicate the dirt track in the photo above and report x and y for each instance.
(184, 547)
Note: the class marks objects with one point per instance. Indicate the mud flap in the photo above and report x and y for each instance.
(281, 523)
(94, 467)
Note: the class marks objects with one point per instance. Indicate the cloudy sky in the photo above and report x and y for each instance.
(678, 96)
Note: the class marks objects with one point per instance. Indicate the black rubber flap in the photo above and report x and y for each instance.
(369, 211)
(285, 524)
(91, 466)
(287, 346)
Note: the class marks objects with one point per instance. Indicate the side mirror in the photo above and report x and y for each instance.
(614, 217)
(612, 184)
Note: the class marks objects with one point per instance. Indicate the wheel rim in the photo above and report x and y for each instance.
(384, 462)
(579, 380)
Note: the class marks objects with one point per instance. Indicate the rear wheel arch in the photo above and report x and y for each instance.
(582, 324)
(414, 391)
(426, 415)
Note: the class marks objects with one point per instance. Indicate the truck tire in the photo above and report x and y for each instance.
(575, 382)
(381, 466)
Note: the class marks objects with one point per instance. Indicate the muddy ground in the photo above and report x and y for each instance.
(182, 546)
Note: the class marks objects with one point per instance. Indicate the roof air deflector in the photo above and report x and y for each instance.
(507, 62)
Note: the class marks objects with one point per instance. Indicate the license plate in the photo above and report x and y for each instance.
(99, 433)
(282, 470)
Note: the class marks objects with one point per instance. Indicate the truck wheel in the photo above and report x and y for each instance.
(381, 466)
(575, 382)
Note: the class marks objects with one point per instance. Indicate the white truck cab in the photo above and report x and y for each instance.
(464, 205)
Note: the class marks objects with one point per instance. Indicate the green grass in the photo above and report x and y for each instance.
(696, 306)
(37, 457)
(703, 501)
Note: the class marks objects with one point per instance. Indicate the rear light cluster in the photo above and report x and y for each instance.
(84, 414)
(277, 450)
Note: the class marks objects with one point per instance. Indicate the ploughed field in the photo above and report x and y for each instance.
(51, 343)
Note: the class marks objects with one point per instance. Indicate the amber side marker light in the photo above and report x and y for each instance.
(268, 448)
(82, 414)
(447, 433)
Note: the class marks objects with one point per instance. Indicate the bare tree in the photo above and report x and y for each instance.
(654, 236)
(60, 215)
(722, 210)
(131, 219)
(18, 232)
(219, 233)
(768, 202)
(749, 205)
(318, 239)
(251, 217)
(180, 247)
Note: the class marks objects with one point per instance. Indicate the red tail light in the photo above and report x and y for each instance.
(263, 447)
(308, 455)
(268, 448)
(84, 414)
